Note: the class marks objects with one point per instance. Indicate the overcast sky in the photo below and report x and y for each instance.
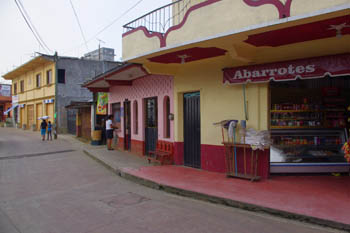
(57, 25)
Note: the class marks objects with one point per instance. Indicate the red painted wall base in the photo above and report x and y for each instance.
(78, 131)
(213, 159)
(120, 143)
(137, 147)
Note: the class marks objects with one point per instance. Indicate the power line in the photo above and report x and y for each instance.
(115, 20)
(31, 26)
(110, 24)
(81, 29)
(30, 21)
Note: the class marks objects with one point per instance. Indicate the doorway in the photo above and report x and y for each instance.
(116, 111)
(151, 124)
(127, 125)
(30, 116)
(71, 121)
(39, 113)
(192, 130)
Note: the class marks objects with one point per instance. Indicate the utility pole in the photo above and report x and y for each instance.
(99, 48)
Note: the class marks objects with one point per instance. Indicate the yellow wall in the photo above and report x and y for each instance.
(138, 43)
(207, 22)
(301, 7)
(179, 9)
(35, 96)
(218, 101)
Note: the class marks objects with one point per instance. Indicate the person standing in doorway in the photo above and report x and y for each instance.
(43, 126)
(49, 131)
(109, 131)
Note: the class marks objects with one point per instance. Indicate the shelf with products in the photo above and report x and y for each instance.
(304, 119)
(293, 111)
(329, 118)
(296, 127)
(307, 145)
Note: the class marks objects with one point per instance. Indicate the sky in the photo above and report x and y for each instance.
(58, 27)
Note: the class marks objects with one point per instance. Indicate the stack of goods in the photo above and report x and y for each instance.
(346, 149)
(257, 139)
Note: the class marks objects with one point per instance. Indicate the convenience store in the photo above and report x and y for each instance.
(309, 111)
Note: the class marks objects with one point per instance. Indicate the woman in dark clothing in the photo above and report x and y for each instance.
(109, 131)
(43, 126)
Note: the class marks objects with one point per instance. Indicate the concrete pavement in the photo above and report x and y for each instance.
(286, 197)
(67, 192)
(323, 200)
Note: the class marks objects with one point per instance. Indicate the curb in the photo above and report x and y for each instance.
(219, 200)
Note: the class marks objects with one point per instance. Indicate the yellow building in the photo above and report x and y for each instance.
(45, 85)
(206, 44)
(34, 85)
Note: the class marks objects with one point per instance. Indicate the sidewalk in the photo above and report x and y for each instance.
(323, 200)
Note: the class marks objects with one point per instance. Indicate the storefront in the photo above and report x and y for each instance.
(83, 118)
(140, 103)
(5, 101)
(309, 111)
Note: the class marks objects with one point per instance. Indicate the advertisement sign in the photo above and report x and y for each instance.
(318, 67)
(14, 99)
(5, 90)
(102, 103)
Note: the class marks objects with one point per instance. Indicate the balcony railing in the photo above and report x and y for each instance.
(161, 19)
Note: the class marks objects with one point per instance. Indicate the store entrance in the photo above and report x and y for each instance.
(192, 130)
(151, 124)
(127, 125)
(309, 123)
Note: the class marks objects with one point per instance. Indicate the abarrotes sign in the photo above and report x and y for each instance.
(337, 65)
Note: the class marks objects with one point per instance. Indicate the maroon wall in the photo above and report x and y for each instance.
(213, 159)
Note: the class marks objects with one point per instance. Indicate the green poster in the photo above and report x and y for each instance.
(102, 103)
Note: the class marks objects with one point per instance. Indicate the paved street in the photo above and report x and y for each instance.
(53, 187)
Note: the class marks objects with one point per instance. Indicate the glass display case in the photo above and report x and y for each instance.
(299, 149)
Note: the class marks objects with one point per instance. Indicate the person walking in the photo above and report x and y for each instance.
(49, 131)
(43, 126)
(109, 131)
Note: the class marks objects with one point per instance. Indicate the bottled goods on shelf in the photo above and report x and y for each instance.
(311, 140)
(310, 115)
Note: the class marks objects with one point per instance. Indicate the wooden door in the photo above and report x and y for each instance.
(50, 112)
(22, 117)
(30, 115)
(39, 113)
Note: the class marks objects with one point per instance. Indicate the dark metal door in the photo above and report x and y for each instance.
(192, 130)
(151, 124)
(71, 121)
(127, 126)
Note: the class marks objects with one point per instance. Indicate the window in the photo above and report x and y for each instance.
(136, 118)
(15, 89)
(48, 77)
(166, 117)
(38, 80)
(22, 85)
(61, 73)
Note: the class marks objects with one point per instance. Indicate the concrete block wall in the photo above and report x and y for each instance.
(77, 71)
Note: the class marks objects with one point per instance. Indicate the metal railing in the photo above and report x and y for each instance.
(161, 19)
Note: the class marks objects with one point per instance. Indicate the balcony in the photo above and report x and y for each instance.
(163, 18)
(190, 30)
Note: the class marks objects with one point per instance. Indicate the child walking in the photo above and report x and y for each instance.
(49, 131)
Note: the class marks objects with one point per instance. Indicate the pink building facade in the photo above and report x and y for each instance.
(142, 110)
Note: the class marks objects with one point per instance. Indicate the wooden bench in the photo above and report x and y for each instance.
(164, 153)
